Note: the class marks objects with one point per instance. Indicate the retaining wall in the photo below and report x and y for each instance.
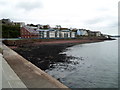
(32, 76)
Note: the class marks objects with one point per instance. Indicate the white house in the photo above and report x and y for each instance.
(98, 33)
(65, 33)
(73, 34)
(47, 33)
(52, 33)
(79, 32)
(55, 33)
(82, 32)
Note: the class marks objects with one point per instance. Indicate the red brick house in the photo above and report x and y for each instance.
(29, 32)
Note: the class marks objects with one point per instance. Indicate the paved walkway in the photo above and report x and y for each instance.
(9, 77)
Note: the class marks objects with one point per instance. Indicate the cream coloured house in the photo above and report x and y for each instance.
(54, 33)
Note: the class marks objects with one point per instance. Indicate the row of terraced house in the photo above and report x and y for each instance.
(45, 31)
(28, 31)
(36, 32)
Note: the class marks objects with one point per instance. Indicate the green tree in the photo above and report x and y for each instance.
(10, 31)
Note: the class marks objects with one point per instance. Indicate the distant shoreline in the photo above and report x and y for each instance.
(37, 43)
(20, 43)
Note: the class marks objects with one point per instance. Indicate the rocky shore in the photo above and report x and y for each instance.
(45, 54)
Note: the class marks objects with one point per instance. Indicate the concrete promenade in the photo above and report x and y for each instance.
(20, 73)
(9, 77)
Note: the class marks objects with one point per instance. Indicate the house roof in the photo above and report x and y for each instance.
(96, 31)
(35, 30)
(46, 30)
(31, 30)
(65, 30)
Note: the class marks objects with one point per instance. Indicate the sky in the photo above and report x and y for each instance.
(94, 15)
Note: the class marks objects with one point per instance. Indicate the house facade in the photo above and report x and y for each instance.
(98, 33)
(55, 33)
(48, 33)
(35, 32)
(67, 34)
(82, 32)
(95, 33)
(28, 32)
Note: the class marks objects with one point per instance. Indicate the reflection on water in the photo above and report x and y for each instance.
(95, 66)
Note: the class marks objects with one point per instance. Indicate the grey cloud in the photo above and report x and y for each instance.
(110, 24)
(115, 24)
(66, 20)
(102, 9)
(93, 21)
(111, 28)
(3, 2)
(6, 14)
(29, 5)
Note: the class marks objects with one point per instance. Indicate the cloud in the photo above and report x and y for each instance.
(114, 24)
(102, 9)
(103, 19)
(2, 2)
(95, 20)
(28, 5)
(90, 14)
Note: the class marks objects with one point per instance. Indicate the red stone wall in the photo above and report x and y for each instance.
(26, 34)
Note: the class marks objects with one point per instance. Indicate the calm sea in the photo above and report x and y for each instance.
(95, 66)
